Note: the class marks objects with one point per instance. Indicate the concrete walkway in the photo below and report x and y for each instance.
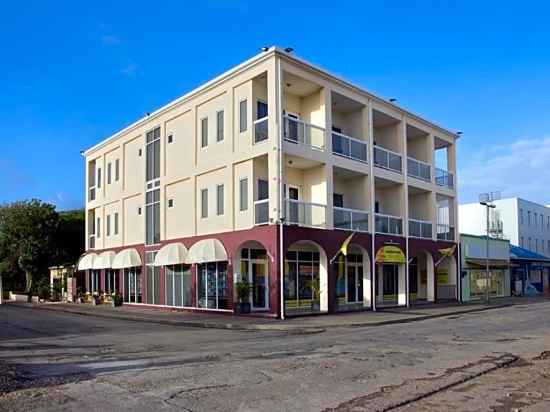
(304, 324)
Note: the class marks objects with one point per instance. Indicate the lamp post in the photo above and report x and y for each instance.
(486, 199)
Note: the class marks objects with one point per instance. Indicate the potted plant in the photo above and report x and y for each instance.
(243, 296)
(116, 300)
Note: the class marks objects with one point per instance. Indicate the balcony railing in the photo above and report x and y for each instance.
(91, 242)
(261, 212)
(418, 169)
(444, 178)
(260, 130)
(420, 228)
(91, 194)
(445, 232)
(349, 147)
(387, 159)
(305, 213)
(300, 132)
(351, 219)
(392, 225)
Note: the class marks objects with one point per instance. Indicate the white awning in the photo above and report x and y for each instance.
(207, 250)
(105, 260)
(172, 254)
(87, 261)
(127, 258)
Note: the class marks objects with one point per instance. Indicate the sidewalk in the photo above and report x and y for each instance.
(306, 324)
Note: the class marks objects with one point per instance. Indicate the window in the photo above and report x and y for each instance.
(170, 138)
(521, 216)
(179, 286)
(528, 218)
(530, 244)
(91, 180)
(242, 115)
(116, 224)
(243, 194)
(153, 279)
(219, 126)
(338, 200)
(212, 285)
(139, 211)
(152, 217)
(521, 241)
(109, 173)
(99, 177)
(153, 154)
(98, 227)
(263, 189)
(547, 222)
(170, 203)
(548, 246)
(536, 245)
(219, 200)
(536, 220)
(117, 170)
(140, 152)
(204, 203)
(204, 132)
(108, 230)
(261, 110)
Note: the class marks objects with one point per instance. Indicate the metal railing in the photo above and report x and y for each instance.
(420, 229)
(305, 213)
(261, 129)
(261, 212)
(300, 132)
(387, 159)
(418, 169)
(444, 178)
(392, 225)
(445, 232)
(349, 147)
(351, 219)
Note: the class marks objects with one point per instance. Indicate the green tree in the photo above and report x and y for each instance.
(28, 231)
(70, 237)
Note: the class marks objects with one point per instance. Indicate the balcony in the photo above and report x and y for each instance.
(387, 224)
(420, 229)
(349, 147)
(387, 159)
(260, 130)
(445, 232)
(261, 212)
(351, 219)
(419, 170)
(305, 213)
(444, 178)
(302, 133)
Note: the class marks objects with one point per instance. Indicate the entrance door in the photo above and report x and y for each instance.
(355, 283)
(387, 284)
(293, 205)
(260, 289)
(132, 285)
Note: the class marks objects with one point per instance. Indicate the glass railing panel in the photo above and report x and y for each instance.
(261, 130)
(261, 212)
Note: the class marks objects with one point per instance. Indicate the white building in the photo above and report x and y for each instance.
(524, 223)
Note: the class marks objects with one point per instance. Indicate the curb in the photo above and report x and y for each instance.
(265, 327)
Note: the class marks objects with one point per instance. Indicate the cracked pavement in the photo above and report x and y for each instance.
(479, 361)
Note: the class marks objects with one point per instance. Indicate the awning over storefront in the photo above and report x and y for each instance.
(172, 254)
(127, 258)
(87, 261)
(104, 260)
(493, 263)
(207, 250)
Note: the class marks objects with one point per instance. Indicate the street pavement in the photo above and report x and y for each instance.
(486, 360)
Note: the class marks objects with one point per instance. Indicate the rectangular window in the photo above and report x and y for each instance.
(219, 126)
(153, 154)
(153, 279)
(204, 132)
(261, 111)
(338, 200)
(521, 241)
(99, 177)
(109, 173)
(219, 200)
(117, 170)
(170, 203)
(243, 194)
(108, 230)
(152, 217)
(263, 189)
(528, 218)
(116, 224)
(204, 203)
(98, 227)
(521, 216)
(170, 138)
(243, 115)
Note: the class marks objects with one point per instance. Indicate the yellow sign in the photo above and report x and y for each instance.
(442, 276)
(390, 254)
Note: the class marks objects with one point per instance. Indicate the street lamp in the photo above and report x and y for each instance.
(487, 199)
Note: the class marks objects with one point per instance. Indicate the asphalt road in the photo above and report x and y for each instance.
(58, 361)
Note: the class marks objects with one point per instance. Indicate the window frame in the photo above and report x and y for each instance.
(204, 132)
(245, 197)
(243, 121)
(204, 203)
(220, 133)
(220, 207)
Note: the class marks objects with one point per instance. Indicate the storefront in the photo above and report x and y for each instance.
(474, 276)
(530, 272)
(390, 285)
(352, 280)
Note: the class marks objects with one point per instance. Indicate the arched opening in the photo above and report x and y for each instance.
(421, 278)
(251, 263)
(446, 279)
(305, 279)
(353, 281)
(390, 279)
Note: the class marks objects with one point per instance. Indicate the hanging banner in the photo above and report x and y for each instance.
(390, 254)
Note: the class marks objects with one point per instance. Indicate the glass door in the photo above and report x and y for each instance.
(293, 207)
(260, 289)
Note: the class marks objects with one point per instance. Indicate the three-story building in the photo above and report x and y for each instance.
(262, 174)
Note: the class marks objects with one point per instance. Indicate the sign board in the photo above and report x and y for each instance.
(442, 276)
(390, 254)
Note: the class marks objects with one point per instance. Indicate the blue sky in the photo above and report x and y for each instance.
(72, 73)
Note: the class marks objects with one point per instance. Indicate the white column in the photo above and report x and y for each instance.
(380, 297)
(323, 283)
(430, 274)
(366, 281)
(402, 284)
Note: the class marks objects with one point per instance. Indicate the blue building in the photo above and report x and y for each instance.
(530, 272)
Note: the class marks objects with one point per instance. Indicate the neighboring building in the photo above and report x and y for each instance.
(530, 272)
(473, 251)
(526, 224)
(186, 201)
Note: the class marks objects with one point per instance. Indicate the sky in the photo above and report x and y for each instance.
(73, 73)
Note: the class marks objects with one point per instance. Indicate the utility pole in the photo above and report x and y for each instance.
(486, 199)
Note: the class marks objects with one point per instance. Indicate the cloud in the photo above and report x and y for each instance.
(130, 70)
(110, 40)
(516, 169)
